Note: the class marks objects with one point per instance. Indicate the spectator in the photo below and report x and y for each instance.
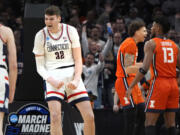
(120, 26)
(91, 73)
(177, 21)
(133, 12)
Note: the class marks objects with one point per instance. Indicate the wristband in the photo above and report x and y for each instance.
(141, 70)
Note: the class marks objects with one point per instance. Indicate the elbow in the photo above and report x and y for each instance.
(78, 62)
(14, 66)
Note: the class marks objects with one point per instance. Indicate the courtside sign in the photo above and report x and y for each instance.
(31, 119)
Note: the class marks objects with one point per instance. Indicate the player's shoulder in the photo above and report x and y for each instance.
(150, 44)
(40, 32)
(151, 41)
(5, 29)
(173, 43)
(128, 41)
(6, 33)
(70, 27)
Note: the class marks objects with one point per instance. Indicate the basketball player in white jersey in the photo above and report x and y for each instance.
(59, 62)
(7, 80)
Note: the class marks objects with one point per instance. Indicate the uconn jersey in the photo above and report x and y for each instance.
(57, 48)
(4, 83)
(57, 51)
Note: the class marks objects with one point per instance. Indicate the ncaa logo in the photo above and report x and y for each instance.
(13, 118)
(47, 38)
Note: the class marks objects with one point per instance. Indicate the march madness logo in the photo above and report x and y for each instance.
(31, 119)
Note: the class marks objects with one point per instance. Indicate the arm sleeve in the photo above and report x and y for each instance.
(39, 43)
(74, 37)
(39, 50)
(41, 68)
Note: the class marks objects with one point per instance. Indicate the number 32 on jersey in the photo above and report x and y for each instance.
(59, 55)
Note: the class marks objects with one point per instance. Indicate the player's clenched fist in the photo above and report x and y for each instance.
(72, 85)
(55, 83)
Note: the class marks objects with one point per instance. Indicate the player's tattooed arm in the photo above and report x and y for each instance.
(128, 60)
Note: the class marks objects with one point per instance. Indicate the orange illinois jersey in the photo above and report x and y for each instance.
(127, 47)
(164, 58)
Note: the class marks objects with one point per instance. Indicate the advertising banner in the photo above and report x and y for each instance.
(27, 118)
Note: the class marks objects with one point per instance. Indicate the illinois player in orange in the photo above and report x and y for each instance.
(163, 55)
(127, 56)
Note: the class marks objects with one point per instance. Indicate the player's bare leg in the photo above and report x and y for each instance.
(151, 118)
(55, 117)
(150, 122)
(1, 122)
(170, 122)
(88, 117)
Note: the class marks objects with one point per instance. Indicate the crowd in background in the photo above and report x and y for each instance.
(93, 19)
(99, 45)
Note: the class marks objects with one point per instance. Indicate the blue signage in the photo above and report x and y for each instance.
(31, 119)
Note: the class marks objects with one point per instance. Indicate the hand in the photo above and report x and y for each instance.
(101, 58)
(61, 83)
(55, 83)
(128, 92)
(115, 108)
(72, 85)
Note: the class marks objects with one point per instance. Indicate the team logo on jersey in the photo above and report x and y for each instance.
(30, 119)
(126, 101)
(152, 103)
(47, 38)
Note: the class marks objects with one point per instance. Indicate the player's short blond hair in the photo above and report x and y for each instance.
(53, 10)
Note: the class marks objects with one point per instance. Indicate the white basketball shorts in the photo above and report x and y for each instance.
(4, 90)
(73, 96)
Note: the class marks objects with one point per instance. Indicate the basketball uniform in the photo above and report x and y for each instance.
(4, 83)
(59, 62)
(123, 80)
(163, 94)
